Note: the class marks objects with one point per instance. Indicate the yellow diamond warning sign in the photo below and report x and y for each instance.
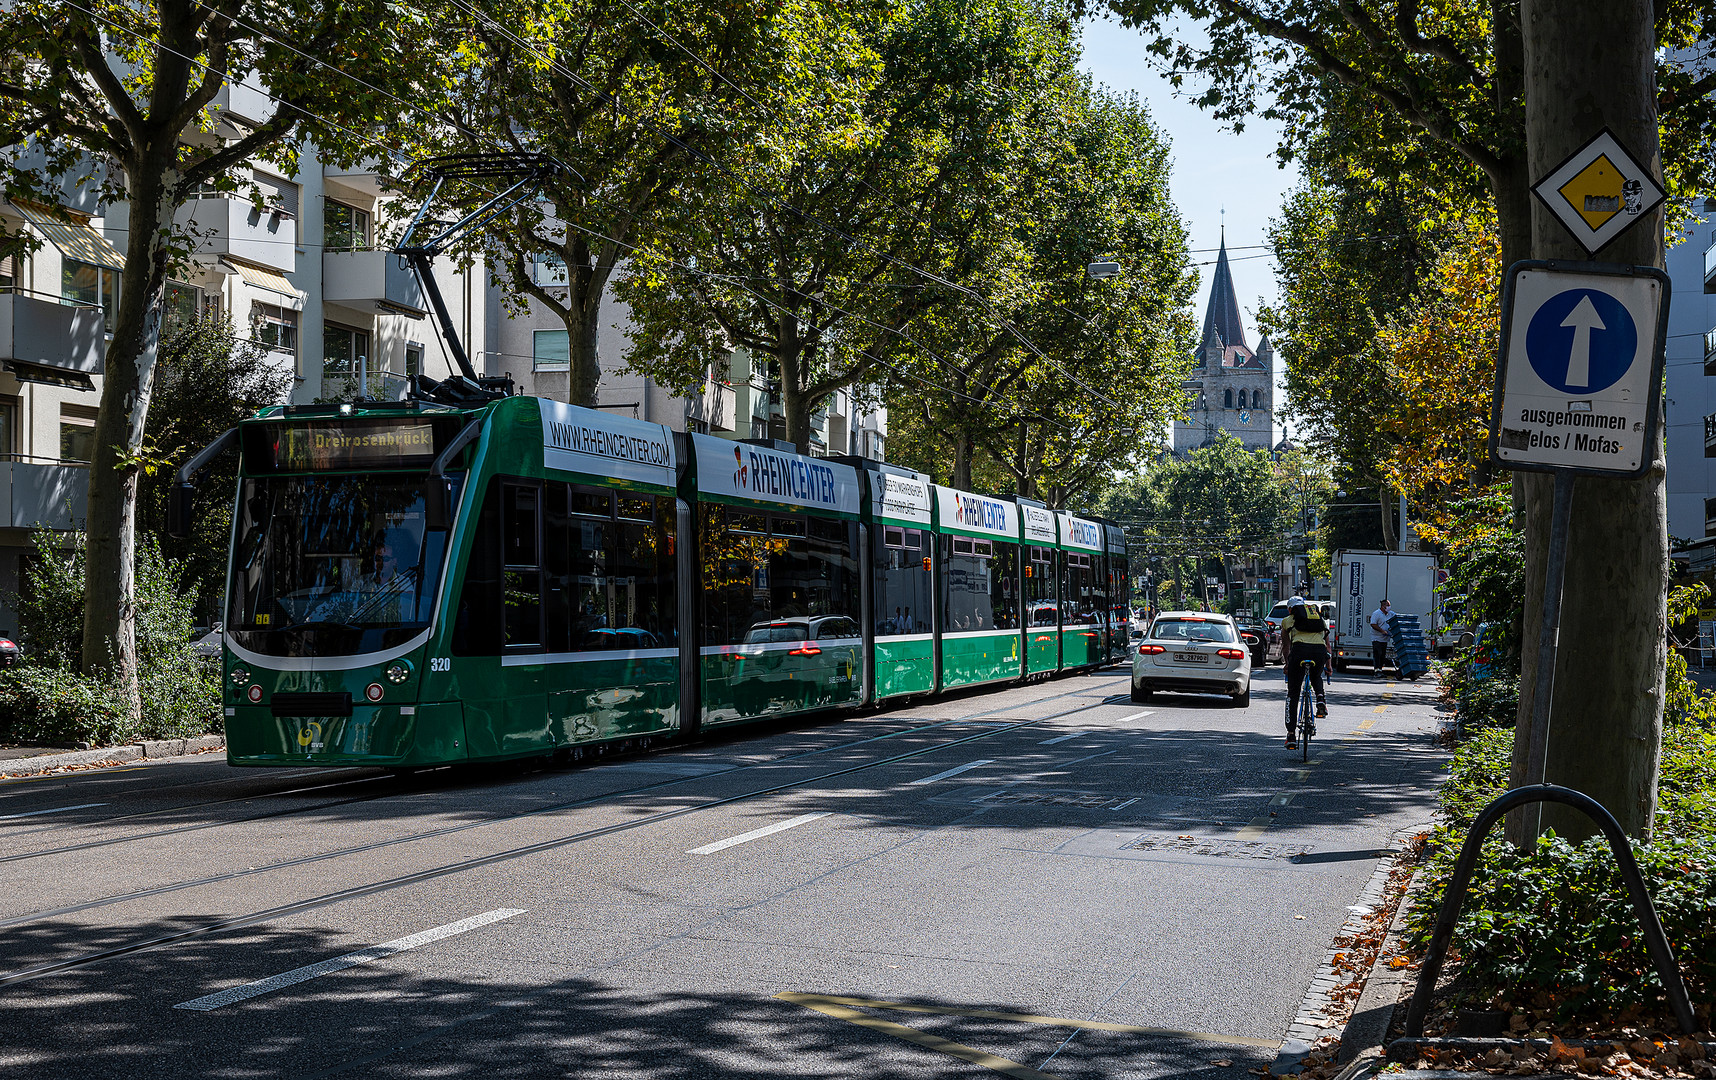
(1595, 194)
(1599, 192)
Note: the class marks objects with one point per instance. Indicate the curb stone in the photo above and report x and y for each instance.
(1367, 1028)
(148, 748)
(1311, 1023)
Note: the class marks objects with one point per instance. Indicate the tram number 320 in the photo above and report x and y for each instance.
(440, 663)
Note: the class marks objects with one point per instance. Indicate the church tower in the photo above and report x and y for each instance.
(1231, 387)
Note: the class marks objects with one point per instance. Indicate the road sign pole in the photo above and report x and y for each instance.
(1555, 573)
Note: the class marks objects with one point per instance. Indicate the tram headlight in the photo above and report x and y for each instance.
(397, 672)
(238, 676)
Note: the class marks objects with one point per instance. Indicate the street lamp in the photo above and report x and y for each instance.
(1102, 268)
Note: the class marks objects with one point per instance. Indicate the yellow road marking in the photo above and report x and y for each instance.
(1301, 775)
(1380, 708)
(1023, 1018)
(1366, 725)
(1255, 827)
(831, 1007)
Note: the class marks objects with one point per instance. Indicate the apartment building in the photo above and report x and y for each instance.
(307, 273)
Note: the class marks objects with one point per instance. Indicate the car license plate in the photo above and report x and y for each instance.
(1191, 658)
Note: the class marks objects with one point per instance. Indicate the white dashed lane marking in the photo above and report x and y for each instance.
(955, 771)
(340, 963)
(756, 834)
(55, 810)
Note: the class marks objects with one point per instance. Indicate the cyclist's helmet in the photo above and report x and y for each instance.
(1295, 601)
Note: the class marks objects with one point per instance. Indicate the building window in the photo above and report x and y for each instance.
(278, 193)
(550, 350)
(275, 327)
(8, 428)
(344, 228)
(341, 348)
(90, 284)
(1257, 399)
(77, 433)
(1227, 398)
(181, 305)
(413, 359)
(548, 270)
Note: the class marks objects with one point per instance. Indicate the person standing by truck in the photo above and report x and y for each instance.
(1379, 638)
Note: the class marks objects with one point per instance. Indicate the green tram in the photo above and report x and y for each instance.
(415, 584)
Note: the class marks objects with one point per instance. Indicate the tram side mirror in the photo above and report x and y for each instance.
(179, 510)
(437, 504)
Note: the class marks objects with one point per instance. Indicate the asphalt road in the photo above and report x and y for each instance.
(1037, 881)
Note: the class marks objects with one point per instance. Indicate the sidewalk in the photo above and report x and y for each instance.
(24, 760)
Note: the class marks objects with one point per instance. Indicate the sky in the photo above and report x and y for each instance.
(1213, 170)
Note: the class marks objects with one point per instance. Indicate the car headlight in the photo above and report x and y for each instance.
(397, 672)
(238, 676)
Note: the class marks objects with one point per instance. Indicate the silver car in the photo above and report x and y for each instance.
(1196, 651)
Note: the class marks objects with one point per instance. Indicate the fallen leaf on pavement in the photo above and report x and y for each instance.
(1224, 1063)
(1298, 916)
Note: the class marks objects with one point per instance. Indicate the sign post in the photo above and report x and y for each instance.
(1577, 384)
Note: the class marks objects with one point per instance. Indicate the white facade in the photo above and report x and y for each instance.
(1691, 393)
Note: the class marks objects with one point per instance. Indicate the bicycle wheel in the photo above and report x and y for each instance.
(1305, 721)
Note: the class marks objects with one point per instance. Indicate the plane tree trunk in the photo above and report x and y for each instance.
(1590, 66)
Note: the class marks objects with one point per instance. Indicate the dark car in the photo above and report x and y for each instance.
(1256, 637)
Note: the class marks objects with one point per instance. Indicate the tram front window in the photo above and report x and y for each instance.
(332, 565)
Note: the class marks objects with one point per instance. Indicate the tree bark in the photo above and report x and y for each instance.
(1587, 67)
(586, 279)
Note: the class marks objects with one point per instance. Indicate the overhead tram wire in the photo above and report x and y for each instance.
(1019, 410)
(963, 290)
(396, 156)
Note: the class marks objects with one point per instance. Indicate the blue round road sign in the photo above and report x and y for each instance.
(1581, 341)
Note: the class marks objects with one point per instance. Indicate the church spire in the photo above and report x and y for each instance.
(1222, 317)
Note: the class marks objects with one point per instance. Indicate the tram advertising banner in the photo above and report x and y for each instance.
(900, 500)
(746, 471)
(976, 515)
(1039, 525)
(1079, 534)
(596, 444)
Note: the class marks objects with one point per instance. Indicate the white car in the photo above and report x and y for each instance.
(1196, 651)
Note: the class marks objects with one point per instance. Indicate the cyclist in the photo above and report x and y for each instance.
(1305, 636)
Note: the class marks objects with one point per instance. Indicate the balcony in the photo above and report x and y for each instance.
(244, 102)
(720, 406)
(366, 177)
(50, 494)
(1710, 352)
(1710, 269)
(48, 336)
(233, 226)
(375, 281)
(1710, 435)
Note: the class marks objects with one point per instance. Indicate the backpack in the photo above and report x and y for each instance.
(1306, 622)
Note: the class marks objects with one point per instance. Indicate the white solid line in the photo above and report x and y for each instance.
(1136, 716)
(757, 834)
(1062, 738)
(340, 963)
(55, 810)
(1123, 805)
(955, 771)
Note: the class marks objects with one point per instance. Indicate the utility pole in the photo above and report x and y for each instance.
(1591, 66)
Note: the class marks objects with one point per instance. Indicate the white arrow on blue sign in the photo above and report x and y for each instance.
(1580, 363)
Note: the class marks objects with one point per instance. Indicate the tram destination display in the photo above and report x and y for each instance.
(316, 446)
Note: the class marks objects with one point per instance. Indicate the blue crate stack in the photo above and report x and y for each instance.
(1409, 650)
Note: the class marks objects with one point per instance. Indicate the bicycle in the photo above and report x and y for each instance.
(1307, 708)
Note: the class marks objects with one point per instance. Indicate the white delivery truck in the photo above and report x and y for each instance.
(1363, 579)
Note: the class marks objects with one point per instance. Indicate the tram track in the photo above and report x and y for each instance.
(476, 862)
